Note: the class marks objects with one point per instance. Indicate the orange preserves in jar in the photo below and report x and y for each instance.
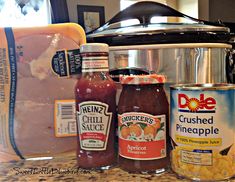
(143, 124)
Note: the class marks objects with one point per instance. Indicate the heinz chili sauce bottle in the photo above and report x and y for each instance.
(95, 95)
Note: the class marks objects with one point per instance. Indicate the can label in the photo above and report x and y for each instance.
(203, 133)
(142, 136)
(94, 122)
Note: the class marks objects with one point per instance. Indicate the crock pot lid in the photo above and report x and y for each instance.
(157, 29)
(114, 33)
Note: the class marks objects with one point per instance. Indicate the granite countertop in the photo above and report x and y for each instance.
(64, 169)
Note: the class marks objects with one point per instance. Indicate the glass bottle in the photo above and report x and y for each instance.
(95, 95)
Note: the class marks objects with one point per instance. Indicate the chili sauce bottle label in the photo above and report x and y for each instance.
(142, 136)
(95, 64)
(94, 122)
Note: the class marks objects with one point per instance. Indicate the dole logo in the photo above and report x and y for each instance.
(194, 104)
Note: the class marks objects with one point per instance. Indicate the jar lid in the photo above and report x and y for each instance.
(94, 47)
(142, 79)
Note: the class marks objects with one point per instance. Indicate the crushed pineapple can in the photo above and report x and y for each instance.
(202, 124)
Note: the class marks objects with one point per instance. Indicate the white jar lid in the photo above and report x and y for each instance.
(94, 47)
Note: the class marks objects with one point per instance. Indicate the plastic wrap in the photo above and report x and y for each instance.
(38, 68)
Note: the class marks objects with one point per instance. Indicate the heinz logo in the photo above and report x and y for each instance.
(201, 104)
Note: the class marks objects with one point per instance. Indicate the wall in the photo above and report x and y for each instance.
(222, 10)
(203, 9)
(111, 7)
(189, 7)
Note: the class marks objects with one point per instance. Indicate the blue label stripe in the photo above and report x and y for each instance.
(181, 110)
(13, 68)
(202, 151)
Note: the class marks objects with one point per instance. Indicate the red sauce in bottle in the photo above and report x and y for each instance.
(96, 109)
(143, 124)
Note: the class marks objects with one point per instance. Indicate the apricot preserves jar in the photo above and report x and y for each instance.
(143, 126)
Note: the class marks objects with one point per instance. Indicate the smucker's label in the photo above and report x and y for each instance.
(142, 136)
(203, 133)
(94, 122)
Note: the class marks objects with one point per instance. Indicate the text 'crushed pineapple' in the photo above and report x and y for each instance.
(203, 131)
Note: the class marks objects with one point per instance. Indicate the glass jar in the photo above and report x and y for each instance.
(143, 125)
(95, 95)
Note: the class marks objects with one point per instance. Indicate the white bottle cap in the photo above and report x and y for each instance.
(94, 47)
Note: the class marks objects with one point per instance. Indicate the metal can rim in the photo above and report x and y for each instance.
(206, 86)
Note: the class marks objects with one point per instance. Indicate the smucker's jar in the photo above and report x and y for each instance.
(143, 124)
(203, 131)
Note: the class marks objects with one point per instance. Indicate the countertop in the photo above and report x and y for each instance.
(64, 169)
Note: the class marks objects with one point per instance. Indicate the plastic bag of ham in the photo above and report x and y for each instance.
(38, 68)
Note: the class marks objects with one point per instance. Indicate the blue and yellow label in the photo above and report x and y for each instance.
(203, 133)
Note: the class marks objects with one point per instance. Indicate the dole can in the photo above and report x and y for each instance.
(202, 130)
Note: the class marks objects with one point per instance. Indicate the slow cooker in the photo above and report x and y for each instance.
(230, 61)
(193, 52)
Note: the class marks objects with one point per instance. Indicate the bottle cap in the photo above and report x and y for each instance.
(94, 47)
(143, 79)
